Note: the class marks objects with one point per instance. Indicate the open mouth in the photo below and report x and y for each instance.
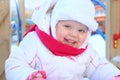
(70, 42)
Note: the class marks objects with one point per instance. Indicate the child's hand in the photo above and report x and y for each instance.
(116, 78)
(40, 75)
(38, 79)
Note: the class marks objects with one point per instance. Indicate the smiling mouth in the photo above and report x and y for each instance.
(70, 42)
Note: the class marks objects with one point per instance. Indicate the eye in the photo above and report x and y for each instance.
(67, 26)
(82, 31)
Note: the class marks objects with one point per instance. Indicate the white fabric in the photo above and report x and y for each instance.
(32, 55)
(99, 44)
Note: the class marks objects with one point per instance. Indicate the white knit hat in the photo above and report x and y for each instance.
(51, 11)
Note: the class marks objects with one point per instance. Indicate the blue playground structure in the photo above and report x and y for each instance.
(98, 2)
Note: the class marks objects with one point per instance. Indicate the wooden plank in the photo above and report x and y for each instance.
(112, 27)
(4, 35)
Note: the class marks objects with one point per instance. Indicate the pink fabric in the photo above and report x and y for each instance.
(116, 77)
(39, 75)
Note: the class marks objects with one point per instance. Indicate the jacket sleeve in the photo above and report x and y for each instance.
(100, 68)
(21, 61)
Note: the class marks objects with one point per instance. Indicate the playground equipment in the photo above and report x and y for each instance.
(113, 31)
(100, 6)
(4, 35)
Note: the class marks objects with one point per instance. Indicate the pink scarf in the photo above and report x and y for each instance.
(54, 46)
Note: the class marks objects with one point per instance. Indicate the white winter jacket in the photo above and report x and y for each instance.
(32, 55)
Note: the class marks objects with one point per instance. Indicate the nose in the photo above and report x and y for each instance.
(74, 33)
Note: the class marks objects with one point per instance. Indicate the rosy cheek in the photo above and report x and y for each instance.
(59, 38)
(81, 40)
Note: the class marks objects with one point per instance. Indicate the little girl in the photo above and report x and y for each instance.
(57, 48)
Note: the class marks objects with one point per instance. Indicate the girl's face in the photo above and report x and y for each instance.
(71, 33)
